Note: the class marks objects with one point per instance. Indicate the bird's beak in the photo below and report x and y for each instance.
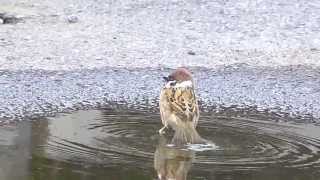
(166, 78)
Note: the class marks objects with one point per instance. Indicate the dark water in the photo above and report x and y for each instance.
(124, 144)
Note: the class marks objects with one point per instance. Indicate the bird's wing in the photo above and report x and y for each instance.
(164, 106)
(183, 102)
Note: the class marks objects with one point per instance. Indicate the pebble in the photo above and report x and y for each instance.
(72, 19)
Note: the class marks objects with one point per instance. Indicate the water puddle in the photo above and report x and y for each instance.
(124, 144)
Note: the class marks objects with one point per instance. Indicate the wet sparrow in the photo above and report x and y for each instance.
(179, 107)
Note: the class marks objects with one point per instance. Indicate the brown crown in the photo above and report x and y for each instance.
(180, 74)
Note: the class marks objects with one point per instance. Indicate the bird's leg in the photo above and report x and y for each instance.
(161, 131)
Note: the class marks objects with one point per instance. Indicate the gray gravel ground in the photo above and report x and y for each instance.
(64, 54)
(293, 91)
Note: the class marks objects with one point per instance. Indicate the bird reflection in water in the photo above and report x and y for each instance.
(172, 163)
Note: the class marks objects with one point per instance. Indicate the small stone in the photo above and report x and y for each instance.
(8, 19)
(191, 53)
(72, 19)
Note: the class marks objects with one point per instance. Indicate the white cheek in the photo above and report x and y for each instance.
(184, 84)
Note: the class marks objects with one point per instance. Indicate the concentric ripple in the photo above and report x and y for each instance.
(249, 143)
(122, 137)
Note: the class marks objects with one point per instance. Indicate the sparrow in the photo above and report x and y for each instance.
(179, 107)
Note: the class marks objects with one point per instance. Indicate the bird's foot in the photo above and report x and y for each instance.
(161, 131)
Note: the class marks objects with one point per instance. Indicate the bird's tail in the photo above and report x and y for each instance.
(187, 134)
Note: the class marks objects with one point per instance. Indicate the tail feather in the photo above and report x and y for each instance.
(186, 134)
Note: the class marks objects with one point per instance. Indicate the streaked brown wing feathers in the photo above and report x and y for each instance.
(183, 102)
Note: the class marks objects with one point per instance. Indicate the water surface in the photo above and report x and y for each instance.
(124, 144)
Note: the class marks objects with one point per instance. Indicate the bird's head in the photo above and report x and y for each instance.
(181, 77)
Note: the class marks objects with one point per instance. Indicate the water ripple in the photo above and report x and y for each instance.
(130, 137)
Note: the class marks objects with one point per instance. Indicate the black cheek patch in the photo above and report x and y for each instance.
(173, 83)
